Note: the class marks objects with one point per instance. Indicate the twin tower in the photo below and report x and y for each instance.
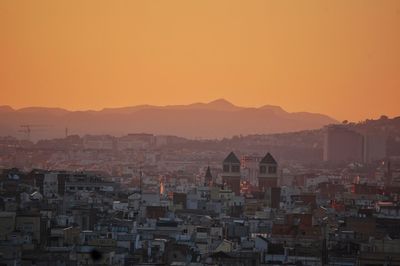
(267, 173)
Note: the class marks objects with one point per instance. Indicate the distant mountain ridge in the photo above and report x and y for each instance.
(215, 119)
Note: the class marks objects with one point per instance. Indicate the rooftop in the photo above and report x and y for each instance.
(268, 159)
(231, 158)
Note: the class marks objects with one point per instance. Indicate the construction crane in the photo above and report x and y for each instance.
(27, 129)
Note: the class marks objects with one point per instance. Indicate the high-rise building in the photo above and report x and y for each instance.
(231, 173)
(342, 145)
(374, 148)
(268, 173)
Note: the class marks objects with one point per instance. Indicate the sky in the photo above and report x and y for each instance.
(340, 58)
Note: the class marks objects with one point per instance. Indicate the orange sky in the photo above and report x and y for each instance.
(341, 57)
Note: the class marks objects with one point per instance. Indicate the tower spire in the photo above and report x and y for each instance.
(208, 177)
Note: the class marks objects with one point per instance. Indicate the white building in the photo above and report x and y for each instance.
(50, 185)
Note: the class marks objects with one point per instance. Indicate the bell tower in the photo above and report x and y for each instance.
(231, 173)
(267, 173)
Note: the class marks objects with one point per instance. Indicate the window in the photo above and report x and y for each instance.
(263, 169)
(226, 168)
(235, 168)
(272, 169)
(28, 227)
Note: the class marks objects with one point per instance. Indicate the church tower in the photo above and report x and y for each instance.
(208, 180)
(231, 173)
(267, 173)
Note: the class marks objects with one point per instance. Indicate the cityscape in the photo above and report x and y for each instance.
(143, 199)
(199, 133)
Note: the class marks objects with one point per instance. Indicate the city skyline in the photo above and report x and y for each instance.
(199, 133)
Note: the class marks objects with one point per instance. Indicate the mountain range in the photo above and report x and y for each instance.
(216, 119)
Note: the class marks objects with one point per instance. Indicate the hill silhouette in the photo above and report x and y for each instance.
(215, 119)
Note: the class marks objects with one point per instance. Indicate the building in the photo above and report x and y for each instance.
(250, 168)
(342, 145)
(374, 148)
(268, 173)
(50, 185)
(231, 173)
(208, 179)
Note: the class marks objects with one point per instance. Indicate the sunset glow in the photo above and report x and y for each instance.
(339, 58)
